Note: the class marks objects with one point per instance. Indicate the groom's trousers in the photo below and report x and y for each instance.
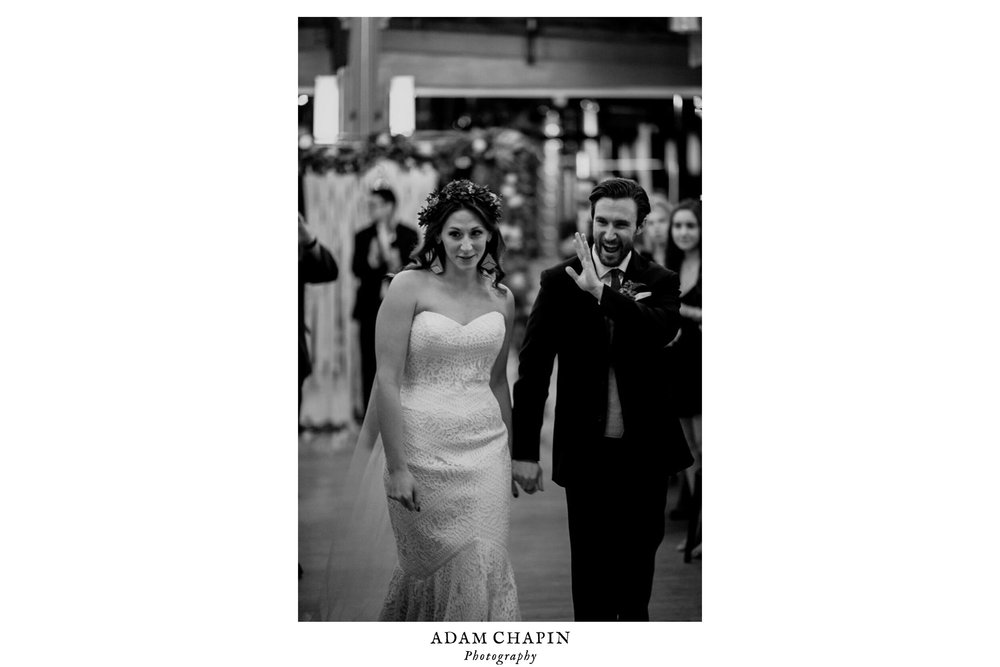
(616, 503)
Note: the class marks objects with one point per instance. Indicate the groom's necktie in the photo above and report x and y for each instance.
(616, 284)
(616, 279)
(614, 428)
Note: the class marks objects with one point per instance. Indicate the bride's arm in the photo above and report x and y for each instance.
(392, 335)
(498, 378)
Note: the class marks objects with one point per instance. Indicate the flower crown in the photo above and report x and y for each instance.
(460, 192)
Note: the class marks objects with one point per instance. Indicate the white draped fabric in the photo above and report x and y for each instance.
(363, 555)
(337, 207)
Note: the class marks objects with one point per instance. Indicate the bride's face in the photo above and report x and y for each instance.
(464, 238)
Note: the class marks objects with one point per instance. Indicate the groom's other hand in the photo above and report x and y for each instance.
(528, 474)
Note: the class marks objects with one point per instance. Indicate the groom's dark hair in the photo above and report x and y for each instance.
(622, 188)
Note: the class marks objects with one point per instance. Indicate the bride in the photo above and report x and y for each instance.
(441, 408)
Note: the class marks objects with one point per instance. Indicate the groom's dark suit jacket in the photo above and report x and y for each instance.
(569, 323)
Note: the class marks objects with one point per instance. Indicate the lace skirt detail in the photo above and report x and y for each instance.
(453, 559)
(477, 584)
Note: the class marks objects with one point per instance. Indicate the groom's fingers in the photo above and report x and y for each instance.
(526, 475)
(572, 274)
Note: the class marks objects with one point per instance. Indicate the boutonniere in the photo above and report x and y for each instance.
(634, 291)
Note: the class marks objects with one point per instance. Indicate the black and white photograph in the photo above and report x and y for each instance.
(504, 380)
(500, 316)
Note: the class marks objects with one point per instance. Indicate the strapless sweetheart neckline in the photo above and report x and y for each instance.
(474, 319)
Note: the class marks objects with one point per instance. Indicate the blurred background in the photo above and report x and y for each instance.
(538, 109)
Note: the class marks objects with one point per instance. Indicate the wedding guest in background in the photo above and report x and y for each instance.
(657, 228)
(381, 248)
(654, 247)
(316, 265)
(684, 353)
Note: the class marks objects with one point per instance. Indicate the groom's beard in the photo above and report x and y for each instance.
(609, 258)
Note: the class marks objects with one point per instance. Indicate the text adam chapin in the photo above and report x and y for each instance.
(501, 637)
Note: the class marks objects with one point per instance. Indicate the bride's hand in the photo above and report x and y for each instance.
(403, 489)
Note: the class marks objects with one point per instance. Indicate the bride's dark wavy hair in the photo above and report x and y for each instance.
(456, 196)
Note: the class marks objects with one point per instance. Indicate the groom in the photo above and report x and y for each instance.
(607, 314)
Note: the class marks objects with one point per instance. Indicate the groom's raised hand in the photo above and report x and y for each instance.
(587, 279)
(528, 475)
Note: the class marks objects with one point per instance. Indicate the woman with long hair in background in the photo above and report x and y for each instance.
(683, 255)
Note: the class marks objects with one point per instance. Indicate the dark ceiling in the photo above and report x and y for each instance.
(644, 29)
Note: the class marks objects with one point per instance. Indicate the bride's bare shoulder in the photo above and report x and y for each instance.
(410, 278)
(406, 285)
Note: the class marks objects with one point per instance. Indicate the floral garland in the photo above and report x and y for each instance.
(505, 159)
(448, 152)
(356, 158)
(463, 192)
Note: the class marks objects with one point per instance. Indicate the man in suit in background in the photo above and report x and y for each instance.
(381, 248)
(606, 313)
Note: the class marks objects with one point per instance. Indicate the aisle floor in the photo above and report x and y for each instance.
(539, 540)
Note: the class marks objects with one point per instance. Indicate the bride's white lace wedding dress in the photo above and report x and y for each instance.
(451, 561)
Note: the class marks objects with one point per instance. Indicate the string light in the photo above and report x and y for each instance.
(590, 109)
(552, 127)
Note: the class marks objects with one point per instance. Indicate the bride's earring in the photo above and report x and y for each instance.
(436, 266)
(488, 264)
